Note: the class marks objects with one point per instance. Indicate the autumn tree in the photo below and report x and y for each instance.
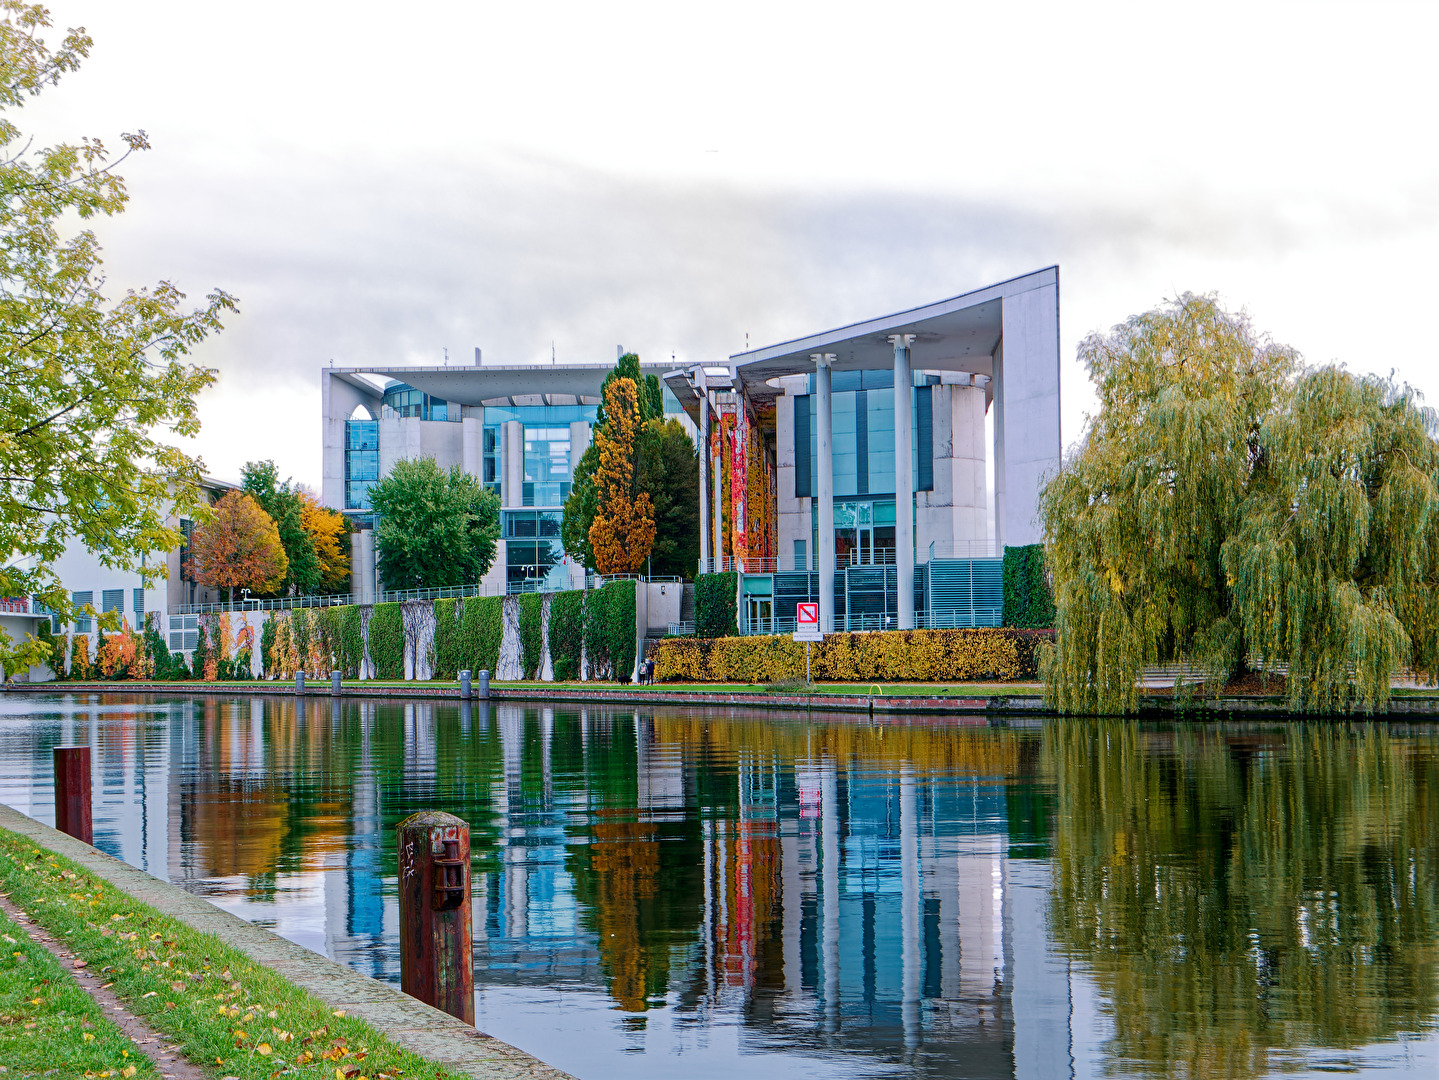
(623, 530)
(94, 386)
(239, 548)
(435, 528)
(261, 481)
(1229, 507)
(329, 532)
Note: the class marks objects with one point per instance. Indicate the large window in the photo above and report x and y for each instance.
(862, 414)
(492, 463)
(547, 466)
(406, 401)
(534, 555)
(362, 462)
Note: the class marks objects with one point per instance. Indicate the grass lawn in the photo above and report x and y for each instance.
(228, 1013)
(47, 1022)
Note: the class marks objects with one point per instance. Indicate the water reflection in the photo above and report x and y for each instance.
(712, 892)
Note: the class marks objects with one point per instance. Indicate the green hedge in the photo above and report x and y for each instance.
(532, 633)
(715, 605)
(1028, 603)
(449, 640)
(387, 641)
(267, 642)
(610, 630)
(352, 641)
(482, 627)
(567, 634)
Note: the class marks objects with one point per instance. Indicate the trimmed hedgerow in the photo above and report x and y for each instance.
(482, 627)
(715, 614)
(1028, 602)
(610, 631)
(998, 653)
(532, 633)
(387, 641)
(352, 640)
(449, 656)
(567, 634)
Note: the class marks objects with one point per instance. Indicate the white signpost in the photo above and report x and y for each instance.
(806, 629)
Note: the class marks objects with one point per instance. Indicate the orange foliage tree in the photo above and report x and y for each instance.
(240, 548)
(623, 531)
(330, 533)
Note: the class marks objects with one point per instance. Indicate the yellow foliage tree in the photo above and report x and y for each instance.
(623, 531)
(330, 533)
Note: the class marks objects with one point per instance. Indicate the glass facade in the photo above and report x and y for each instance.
(534, 554)
(862, 413)
(362, 462)
(492, 461)
(547, 466)
(406, 401)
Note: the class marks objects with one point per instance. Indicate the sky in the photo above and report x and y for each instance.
(379, 184)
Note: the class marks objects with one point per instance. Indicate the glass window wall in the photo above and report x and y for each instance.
(362, 462)
(534, 554)
(547, 466)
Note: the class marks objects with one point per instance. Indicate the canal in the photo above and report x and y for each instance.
(720, 893)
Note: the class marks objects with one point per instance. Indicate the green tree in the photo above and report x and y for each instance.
(666, 467)
(1226, 505)
(92, 389)
(435, 528)
(286, 505)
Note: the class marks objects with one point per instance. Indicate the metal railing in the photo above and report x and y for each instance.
(680, 629)
(15, 605)
(878, 556)
(868, 622)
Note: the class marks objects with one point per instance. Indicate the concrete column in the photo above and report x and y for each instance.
(824, 451)
(513, 488)
(472, 442)
(903, 481)
(704, 444)
(1028, 379)
(1000, 502)
(362, 567)
(717, 473)
(579, 442)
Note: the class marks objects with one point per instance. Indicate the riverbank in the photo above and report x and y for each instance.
(239, 1000)
(995, 700)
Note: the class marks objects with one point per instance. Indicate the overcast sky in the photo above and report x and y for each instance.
(378, 183)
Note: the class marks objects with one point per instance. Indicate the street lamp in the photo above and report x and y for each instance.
(245, 598)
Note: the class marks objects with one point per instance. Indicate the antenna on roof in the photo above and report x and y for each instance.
(477, 356)
(552, 352)
(447, 356)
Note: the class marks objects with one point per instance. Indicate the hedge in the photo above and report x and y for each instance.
(482, 628)
(532, 634)
(387, 641)
(610, 631)
(567, 634)
(715, 614)
(1027, 599)
(352, 640)
(449, 658)
(1001, 654)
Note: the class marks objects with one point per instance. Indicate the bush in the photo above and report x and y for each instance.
(1028, 601)
(715, 614)
(352, 640)
(567, 634)
(267, 646)
(449, 641)
(532, 633)
(610, 631)
(80, 656)
(387, 641)
(1002, 654)
(329, 628)
(482, 628)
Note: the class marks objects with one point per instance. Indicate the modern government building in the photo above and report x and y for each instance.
(849, 467)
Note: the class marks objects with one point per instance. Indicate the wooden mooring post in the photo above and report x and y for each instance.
(436, 953)
(72, 792)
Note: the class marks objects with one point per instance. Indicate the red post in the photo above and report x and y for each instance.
(72, 792)
(436, 956)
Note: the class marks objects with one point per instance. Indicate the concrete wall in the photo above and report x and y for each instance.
(958, 507)
(794, 514)
(1026, 397)
(338, 399)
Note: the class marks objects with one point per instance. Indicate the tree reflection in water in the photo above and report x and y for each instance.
(1240, 897)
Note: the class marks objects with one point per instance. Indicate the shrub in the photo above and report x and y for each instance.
(267, 645)
(387, 641)
(1003, 654)
(329, 622)
(567, 634)
(532, 633)
(449, 656)
(80, 656)
(482, 628)
(715, 614)
(121, 656)
(1028, 601)
(352, 640)
(610, 630)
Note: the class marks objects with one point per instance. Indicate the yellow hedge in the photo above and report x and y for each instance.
(887, 656)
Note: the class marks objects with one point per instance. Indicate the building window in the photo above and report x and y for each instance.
(534, 554)
(139, 605)
(863, 433)
(80, 599)
(492, 462)
(184, 633)
(407, 402)
(362, 462)
(112, 600)
(547, 466)
(801, 561)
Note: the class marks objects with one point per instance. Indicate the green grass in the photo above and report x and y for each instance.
(48, 1022)
(229, 1014)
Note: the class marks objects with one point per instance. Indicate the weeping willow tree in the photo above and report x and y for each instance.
(1229, 506)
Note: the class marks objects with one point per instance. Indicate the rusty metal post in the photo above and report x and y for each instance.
(72, 792)
(436, 954)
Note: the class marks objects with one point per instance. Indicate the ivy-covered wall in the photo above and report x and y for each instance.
(715, 605)
(1028, 602)
(567, 635)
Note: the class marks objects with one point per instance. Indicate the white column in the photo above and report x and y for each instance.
(824, 451)
(1001, 503)
(704, 449)
(903, 481)
(513, 488)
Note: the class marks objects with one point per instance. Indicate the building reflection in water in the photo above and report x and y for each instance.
(819, 899)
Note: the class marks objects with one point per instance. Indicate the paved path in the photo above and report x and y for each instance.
(404, 1020)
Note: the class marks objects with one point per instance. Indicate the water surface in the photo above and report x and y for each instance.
(716, 893)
